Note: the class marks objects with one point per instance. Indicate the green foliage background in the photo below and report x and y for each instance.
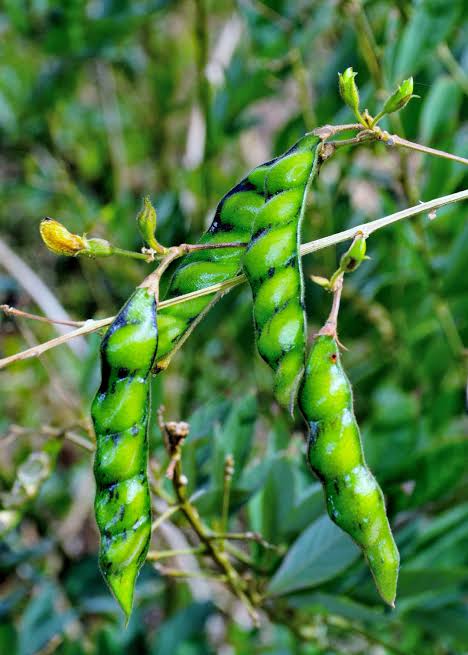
(102, 102)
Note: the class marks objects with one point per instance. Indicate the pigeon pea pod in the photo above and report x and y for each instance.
(120, 413)
(272, 265)
(271, 192)
(354, 499)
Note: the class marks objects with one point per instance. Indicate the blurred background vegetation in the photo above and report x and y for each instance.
(103, 101)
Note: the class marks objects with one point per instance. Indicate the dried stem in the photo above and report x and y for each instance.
(172, 509)
(223, 287)
(174, 437)
(152, 281)
(404, 143)
(12, 311)
(155, 555)
(227, 483)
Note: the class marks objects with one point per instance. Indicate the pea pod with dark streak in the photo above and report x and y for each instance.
(272, 264)
(120, 412)
(354, 499)
(275, 188)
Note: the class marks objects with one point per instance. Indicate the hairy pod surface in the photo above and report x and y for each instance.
(272, 264)
(120, 413)
(354, 499)
(272, 193)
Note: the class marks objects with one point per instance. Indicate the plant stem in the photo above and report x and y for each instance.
(241, 536)
(154, 555)
(404, 143)
(331, 323)
(223, 287)
(129, 253)
(164, 516)
(177, 573)
(227, 481)
(174, 439)
(8, 310)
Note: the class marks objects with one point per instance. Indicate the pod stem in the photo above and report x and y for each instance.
(330, 326)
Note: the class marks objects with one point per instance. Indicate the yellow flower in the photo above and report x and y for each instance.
(59, 240)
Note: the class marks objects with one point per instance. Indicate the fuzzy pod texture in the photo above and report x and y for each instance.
(354, 499)
(120, 412)
(234, 221)
(272, 264)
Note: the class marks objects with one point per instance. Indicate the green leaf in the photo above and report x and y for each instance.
(185, 624)
(234, 438)
(277, 499)
(337, 605)
(431, 23)
(412, 582)
(440, 110)
(41, 620)
(319, 554)
(308, 507)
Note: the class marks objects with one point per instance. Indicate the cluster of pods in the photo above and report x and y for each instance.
(263, 213)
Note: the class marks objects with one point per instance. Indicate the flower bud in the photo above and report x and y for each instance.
(355, 254)
(400, 97)
(348, 89)
(321, 281)
(59, 240)
(146, 220)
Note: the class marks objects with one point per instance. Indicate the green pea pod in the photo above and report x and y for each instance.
(259, 194)
(272, 264)
(120, 413)
(354, 499)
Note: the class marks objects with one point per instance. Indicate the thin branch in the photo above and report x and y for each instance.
(306, 249)
(242, 536)
(155, 555)
(12, 311)
(164, 516)
(175, 434)
(404, 143)
(36, 289)
(373, 226)
(376, 134)
(227, 482)
(132, 254)
(153, 280)
(80, 441)
(35, 351)
(177, 573)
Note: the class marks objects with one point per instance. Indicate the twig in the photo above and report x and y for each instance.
(36, 289)
(79, 441)
(133, 254)
(174, 438)
(391, 140)
(177, 573)
(373, 226)
(404, 143)
(242, 536)
(306, 249)
(154, 555)
(12, 311)
(164, 516)
(153, 280)
(227, 482)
